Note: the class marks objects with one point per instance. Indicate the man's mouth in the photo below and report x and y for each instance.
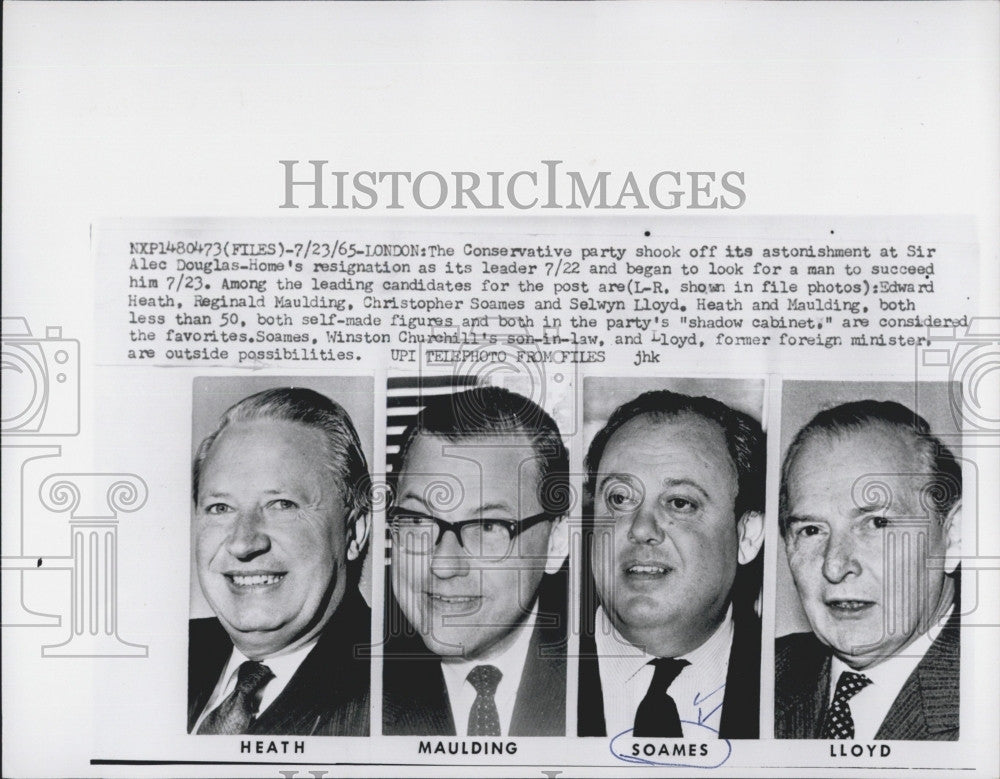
(647, 570)
(254, 579)
(454, 604)
(453, 599)
(846, 607)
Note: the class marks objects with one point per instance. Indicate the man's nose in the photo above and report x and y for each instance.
(248, 539)
(644, 529)
(448, 559)
(840, 559)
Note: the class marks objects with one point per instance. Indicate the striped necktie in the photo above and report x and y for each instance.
(237, 712)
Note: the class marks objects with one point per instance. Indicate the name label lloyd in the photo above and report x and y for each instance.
(840, 749)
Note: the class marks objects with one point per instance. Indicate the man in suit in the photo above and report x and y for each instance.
(281, 517)
(676, 485)
(870, 504)
(476, 628)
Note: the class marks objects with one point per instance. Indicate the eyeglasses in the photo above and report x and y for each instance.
(483, 538)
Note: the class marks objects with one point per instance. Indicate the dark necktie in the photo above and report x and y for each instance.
(484, 720)
(657, 715)
(236, 713)
(839, 723)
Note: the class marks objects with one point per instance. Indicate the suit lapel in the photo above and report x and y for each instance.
(328, 694)
(802, 685)
(590, 698)
(297, 707)
(814, 706)
(540, 706)
(415, 698)
(939, 683)
(804, 706)
(741, 702)
(209, 649)
(436, 719)
(927, 705)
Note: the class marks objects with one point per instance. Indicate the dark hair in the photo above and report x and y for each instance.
(493, 411)
(342, 447)
(745, 440)
(945, 487)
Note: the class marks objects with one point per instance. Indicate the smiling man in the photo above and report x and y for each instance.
(281, 517)
(677, 488)
(476, 630)
(870, 504)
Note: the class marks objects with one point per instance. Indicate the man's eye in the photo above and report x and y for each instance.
(215, 509)
(621, 497)
(682, 505)
(879, 522)
(411, 520)
(486, 531)
(807, 530)
(283, 504)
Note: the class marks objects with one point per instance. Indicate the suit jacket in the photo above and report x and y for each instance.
(415, 698)
(740, 702)
(926, 708)
(327, 696)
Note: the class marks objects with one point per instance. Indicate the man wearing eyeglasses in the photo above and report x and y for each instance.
(476, 628)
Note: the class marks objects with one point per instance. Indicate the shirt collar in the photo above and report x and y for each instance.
(510, 661)
(629, 660)
(282, 666)
(892, 673)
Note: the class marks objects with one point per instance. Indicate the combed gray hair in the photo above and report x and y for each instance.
(342, 447)
(945, 472)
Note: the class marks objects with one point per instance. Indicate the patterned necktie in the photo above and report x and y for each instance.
(236, 713)
(839, 723)
(484, 720)
(657, 715)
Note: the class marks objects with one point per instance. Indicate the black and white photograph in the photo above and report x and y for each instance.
(281, 490)
(487, 389)
(871, 499)
(476, 616)
(673, 533)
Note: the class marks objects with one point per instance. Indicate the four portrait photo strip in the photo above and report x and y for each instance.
(601, 577)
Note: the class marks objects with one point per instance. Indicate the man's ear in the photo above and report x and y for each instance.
(558, 545)
(952, 530)
(359, 525)
(750, 534)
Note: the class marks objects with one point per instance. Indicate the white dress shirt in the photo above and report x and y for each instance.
(870, 706)
(697, 691)
(282, 666)
(511, 662)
